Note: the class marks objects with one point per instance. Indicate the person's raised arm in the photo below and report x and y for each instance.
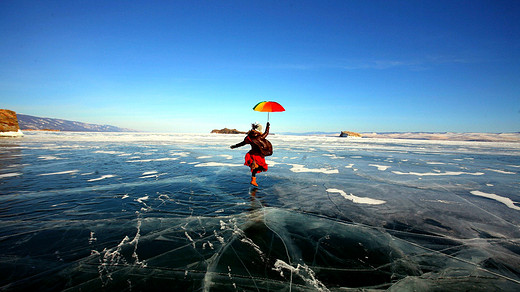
(266, 130)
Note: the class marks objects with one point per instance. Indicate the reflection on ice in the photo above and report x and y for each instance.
(137, 212)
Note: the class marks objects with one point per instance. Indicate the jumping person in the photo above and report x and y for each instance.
(260, 148)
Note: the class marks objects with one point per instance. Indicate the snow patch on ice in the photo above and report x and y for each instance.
(108, 152)
(210, 164)
(356, 199)
(501, 171)
(60, 172)
(204, 157)
(102, 177)
(49, 157)
(141, 199)
(149, 172)
(380, 167)
(303, 271)
(333, 156)
(438, 173)
(61, 204)
(271, 162)
(10, 174)
(506, 201)
(92, 238)
(155, 159)
(302, 168)
(181, 154)
(190, 239)
(152, 174)
(18, 165)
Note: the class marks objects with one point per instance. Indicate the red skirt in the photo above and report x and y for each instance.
(260, 161)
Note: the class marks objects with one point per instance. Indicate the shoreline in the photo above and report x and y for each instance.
(439, 137)
(40, 130)
(469, 137)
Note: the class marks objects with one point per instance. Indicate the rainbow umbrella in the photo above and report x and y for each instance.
(269, 107)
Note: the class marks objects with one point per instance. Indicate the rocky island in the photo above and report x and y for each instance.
(9, 124)
(350, 134)
(227, 131)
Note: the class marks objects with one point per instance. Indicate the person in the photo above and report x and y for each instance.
(260, 147)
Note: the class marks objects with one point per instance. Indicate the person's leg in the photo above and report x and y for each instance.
(253, 177)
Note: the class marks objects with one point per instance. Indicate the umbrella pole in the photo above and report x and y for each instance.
(268, 117)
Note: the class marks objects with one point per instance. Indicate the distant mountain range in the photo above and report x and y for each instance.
(27, 122)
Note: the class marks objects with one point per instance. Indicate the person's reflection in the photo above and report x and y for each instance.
(256, 212)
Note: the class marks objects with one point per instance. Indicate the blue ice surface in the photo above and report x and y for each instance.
(141, 211)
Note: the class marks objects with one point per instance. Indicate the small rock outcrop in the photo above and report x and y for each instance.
(350, 134)
(227, 131)
(9, 124)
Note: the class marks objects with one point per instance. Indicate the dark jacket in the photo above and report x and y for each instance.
(259, 144)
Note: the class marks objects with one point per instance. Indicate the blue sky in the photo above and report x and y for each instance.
(193, 66)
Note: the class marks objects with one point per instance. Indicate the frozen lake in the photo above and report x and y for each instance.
(127, 212)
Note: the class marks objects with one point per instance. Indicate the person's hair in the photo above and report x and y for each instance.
(256, 126)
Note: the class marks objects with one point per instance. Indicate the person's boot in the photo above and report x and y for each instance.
(253, 181)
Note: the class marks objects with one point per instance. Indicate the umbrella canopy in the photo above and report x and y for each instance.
(268, 106)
